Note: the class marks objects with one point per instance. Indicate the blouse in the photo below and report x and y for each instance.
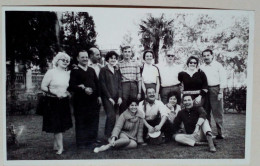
(150, 74)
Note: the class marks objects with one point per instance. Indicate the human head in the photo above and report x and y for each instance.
(192, 62)
(94, 54)
(173, 98)
(187, 101)
(62, 59)
(132, 105)
(170, 55)
(150, 92)
(127, 52)
(83, 58)
(207, 56)
(111, 58)
(148, 56)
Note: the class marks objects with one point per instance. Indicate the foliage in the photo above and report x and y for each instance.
(77, 32)
(156, 33)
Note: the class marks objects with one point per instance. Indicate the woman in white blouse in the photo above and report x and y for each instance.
(150, 73)
(57, 115)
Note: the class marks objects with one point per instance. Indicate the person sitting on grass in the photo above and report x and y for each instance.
(195, 123)
(128, 130)
(156, 114)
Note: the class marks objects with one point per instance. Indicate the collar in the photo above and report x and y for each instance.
(129, 115)
(191, 73)
(83, 68)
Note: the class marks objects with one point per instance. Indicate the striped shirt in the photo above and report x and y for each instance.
(130, 70)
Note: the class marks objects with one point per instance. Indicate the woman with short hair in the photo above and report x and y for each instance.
(57, 116)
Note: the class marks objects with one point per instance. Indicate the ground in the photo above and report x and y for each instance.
(37, 145)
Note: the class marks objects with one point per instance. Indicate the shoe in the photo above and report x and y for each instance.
(220, 137)
(102, 148)
(211, 144)
(60, 151)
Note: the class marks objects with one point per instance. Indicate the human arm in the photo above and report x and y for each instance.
(74, 85)
(103, 83)
(118, 127)
(157, 87)
(223, 81)
(140, 139)
(159, 126)
(46, 83)
(139, 79)
(149, 127)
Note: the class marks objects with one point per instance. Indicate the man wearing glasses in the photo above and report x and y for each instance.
(169, 77)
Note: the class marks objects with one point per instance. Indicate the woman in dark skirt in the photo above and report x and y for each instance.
(195, 82)
(57, 115)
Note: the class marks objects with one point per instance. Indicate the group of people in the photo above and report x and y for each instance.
(149, 98)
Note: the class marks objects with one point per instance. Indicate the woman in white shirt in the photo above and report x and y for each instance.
(150, 73)
(57, 115)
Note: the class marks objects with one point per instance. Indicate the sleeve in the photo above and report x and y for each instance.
(164, 110)
(202, 112)
(222, 76)
(177, 122)
(46, 79)
(204, 83)
(97, 84)
(180, 77)
(73, 83)
(119, 84)
(140, 131)
(102, 83)
(138, 72)
(118, 127)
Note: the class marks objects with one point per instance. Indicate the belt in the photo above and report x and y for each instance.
(129, 82)
(214, 86)
(171, 86)
(193, 92)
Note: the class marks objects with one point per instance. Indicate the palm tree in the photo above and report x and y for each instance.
(156, 33)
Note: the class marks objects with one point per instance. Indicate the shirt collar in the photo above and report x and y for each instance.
(83, 68)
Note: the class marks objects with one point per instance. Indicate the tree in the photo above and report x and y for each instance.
(77, 32)
(156, 33)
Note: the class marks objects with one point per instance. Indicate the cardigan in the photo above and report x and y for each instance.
(131, 125)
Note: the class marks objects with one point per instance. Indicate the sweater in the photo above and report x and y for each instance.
(131, 125)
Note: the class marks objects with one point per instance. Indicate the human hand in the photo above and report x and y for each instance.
(81, 86)
(157, 128)
(220, 96)
(99, 100)
(112, 142)
(150, 129)
(138, 96)
(170, 106)
(112, 101)
(119, 102)
(88, 90)
(197, 100)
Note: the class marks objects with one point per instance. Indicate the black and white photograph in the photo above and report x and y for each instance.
(98, 84)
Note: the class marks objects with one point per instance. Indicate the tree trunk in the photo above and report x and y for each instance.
(156, 50)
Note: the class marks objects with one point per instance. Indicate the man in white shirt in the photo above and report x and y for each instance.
(216, 76)
(156, 114)
(169, 77)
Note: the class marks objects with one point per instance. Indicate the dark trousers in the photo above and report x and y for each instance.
(111, 116)
(166, 90)
(86, 125)
(167, 127)
(129, 91)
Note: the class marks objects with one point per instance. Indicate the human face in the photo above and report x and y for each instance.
(133, 107)
(83, 58)
(112, 61)
(207, 57)
(192, 64)
(148, 58)
(151, 94)
(95, 56)
(63, 62)
(127, 53)
(187, 102)
(173, 100)
(169, 58)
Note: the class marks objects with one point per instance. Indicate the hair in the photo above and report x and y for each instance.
(185, 95)
(110, 54)
(190, 58)
(149, 88)
(91, 52)
(125, 47)
(145, 52)
(207, 50)
(131, 100)
(81, 51)
(59, 56)
(173, 93)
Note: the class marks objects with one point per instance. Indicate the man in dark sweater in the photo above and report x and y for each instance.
(195, 123)
(84, 84)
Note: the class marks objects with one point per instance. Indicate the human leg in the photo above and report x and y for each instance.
(186, 139)
(122, 141)
(111, 117)
(208, 133)
(164, 94)
(125, 96)
(59, 139)
(132, 144)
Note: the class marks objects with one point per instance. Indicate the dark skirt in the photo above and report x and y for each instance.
(56, 115)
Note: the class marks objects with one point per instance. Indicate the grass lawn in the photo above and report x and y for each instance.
(37, 145)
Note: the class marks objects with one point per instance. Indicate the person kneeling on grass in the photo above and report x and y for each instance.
(195, 123)
(128, 130)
